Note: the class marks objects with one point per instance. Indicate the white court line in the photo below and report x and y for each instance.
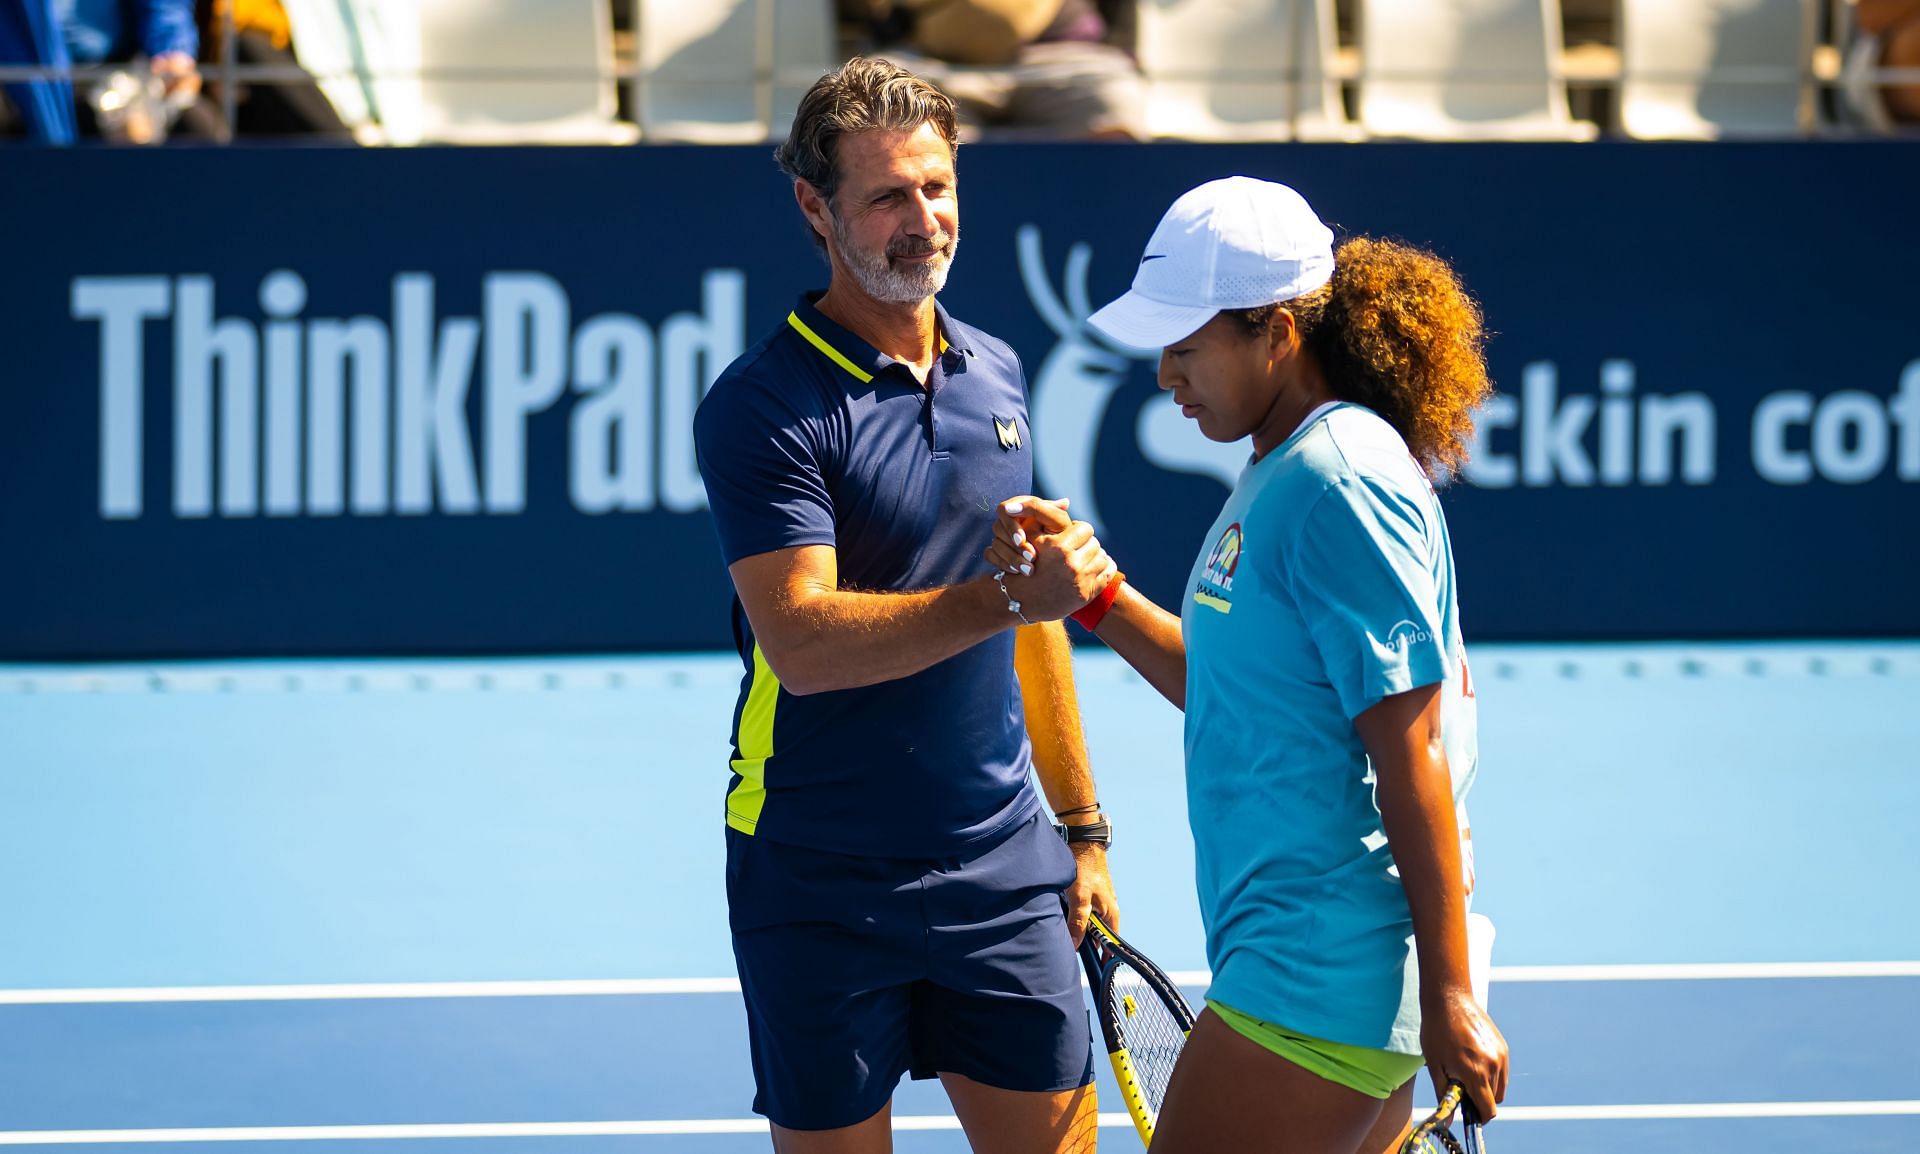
(1661, 1110)
(1687, 1110)
(1706, 971)
(629, 986)
(347, 991)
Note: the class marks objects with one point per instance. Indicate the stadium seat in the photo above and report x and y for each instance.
(1706, 68)
(365, 56)
(1464, 70)
(565, 47)
(408, 71)
(729, 71)
(1240, 70)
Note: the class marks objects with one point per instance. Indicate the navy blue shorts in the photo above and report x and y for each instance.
(857, 970)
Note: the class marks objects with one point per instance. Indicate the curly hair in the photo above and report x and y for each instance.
(1396, 331)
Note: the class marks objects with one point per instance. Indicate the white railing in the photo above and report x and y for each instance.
(1589, 69)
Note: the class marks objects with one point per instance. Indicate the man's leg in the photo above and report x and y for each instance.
(874, 1136)
(828, 949)
(1002, 1018)
(1024, 1122)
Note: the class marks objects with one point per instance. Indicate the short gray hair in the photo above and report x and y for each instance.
(862, 95)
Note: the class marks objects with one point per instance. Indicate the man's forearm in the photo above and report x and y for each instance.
(843, 639)
(1043, 658)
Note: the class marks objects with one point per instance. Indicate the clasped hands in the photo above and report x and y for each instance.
(1052, 565)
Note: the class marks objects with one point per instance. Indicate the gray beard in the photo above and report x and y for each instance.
(881, 281)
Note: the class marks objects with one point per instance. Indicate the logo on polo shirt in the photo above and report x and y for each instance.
(1215, 589)
(1008, 431)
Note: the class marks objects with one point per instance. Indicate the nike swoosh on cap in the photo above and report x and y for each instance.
(1153, 256)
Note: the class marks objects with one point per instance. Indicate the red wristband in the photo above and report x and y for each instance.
(1090, 614)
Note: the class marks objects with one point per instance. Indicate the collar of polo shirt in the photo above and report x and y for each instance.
(850, 352)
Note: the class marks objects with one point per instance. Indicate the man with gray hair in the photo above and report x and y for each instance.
(895, 890)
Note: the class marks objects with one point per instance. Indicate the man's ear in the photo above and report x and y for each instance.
(814, 207)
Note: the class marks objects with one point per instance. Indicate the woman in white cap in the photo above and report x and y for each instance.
(1329, 715)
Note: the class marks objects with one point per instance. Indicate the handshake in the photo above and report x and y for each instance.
(1050, 566)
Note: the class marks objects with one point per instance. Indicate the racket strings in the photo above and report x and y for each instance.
(1438, 1142)
(1149, 1029)
(1434, 1135)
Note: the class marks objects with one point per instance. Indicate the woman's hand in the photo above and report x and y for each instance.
(1461, 1044)
(1017, 520)
(1054, 565)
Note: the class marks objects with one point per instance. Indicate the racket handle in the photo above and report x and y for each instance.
(1470, 1125)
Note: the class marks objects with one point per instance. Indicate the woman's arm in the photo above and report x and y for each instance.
(1414, 790)
(1149, 639)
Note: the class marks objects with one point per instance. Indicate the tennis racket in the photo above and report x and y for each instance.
(1435, 1134)
(1143, 1018)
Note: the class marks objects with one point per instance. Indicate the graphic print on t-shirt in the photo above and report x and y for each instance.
(1215, 589)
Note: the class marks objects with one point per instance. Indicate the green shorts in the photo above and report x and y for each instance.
(1375, 1073)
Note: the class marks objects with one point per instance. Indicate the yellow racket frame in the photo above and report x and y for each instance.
(1122, 1061)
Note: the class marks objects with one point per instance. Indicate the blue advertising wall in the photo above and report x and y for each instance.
(284, 402)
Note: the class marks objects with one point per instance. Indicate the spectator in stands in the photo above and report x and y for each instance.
(263, 36)
(1886, 35)
(1016, 68)
(61, 34)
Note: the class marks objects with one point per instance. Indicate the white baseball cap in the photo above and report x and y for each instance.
(1236, 243)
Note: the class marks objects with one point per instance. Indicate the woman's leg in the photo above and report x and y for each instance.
(1231, 1093)
(1396, 1121)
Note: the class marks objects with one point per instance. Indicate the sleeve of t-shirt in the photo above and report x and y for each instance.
(764, 461)
(1363, 579)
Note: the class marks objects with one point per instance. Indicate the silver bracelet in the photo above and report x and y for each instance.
(1013, 606)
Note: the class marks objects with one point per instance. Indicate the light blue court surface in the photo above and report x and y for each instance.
(514, 867)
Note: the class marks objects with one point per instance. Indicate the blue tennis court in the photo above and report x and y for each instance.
(441, 906)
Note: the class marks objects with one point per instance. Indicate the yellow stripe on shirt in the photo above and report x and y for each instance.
(755, 743)
(833, 354)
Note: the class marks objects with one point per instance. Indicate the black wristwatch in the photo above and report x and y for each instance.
(1098, 832)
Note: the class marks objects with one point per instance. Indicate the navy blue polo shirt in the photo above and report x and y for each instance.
(814, 437)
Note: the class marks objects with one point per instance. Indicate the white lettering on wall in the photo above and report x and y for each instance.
(290, 415)
(1562, 443)
(1847, 437)
(122, 306)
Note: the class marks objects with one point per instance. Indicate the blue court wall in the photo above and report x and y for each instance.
(312, 402)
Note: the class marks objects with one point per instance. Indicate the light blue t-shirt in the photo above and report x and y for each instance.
(1325, 585)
